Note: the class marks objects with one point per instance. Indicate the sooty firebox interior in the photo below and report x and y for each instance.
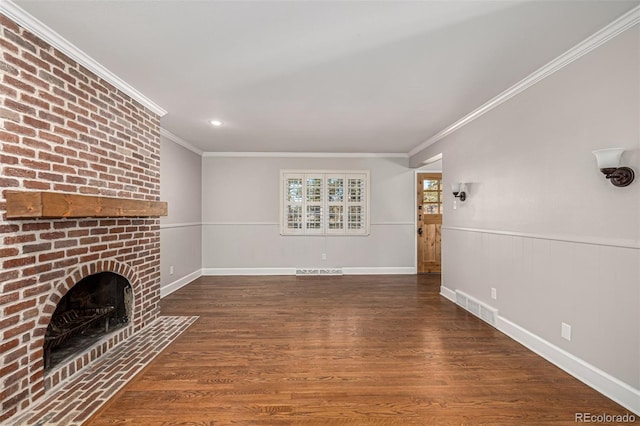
(95, 306)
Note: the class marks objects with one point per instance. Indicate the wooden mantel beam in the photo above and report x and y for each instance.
(55, 205)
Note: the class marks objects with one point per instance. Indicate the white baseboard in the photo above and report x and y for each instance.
(606, 384)
(179, 283)
(382, 270)
(448, 293)
(292, 271)
(248, 271)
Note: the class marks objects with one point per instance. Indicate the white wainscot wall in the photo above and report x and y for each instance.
(181, 254)
(542, 282)
(258, 248)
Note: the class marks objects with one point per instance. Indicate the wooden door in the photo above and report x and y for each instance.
(429, 205)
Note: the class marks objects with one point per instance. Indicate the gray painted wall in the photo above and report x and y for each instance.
(241, 216)
(541, 224)
(181, 230)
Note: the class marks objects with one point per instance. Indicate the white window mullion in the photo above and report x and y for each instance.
(314, 203)
(357, 214)
(293, 204)
(335, 203)
(324, 202)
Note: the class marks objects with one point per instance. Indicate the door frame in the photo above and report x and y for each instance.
(429, 166)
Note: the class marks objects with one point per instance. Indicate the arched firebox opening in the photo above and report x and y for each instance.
(96, 306)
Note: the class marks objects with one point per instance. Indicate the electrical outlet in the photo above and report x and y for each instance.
(170, 270)
(494, 293)
(324, 256)
(566, 331)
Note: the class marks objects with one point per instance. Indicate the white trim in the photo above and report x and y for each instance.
(606, 384)
(363, 177)
(177, 140)
(610, 242)
(248, 271)
(309, 154)
(179, 225)
(390, 223)
(179, 283)
(433, 159)
(380, 270)
(324, 171)
(415, 223)
(25, 20)
(616, 27)
(383, 270)
(240, 224)
(448, 293)
(398, 223)
(416, 172)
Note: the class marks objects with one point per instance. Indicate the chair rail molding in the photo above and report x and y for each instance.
(598, 241)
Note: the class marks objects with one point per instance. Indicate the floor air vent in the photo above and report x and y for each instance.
(473, 306)
(461, 299)
(303, 272)
(477, 308)
(488, 314)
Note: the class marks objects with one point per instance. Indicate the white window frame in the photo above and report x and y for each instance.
(362, 226)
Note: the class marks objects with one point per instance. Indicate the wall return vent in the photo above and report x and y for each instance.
(303, 272)
(476, 307)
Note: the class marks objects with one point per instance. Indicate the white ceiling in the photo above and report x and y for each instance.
(321, 76)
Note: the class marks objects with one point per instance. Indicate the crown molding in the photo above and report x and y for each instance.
(433, 159)
(308, 154)
(25, 20)
(620, 25)
(175, 139)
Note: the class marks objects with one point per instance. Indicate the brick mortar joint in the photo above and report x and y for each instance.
(55, 103)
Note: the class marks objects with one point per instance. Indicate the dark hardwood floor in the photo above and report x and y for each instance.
(352, 350)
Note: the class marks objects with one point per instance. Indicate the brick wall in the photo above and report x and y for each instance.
(62, 128)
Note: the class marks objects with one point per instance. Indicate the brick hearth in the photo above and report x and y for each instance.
(76, 400)
(64, 129)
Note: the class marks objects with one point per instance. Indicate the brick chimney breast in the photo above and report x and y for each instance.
(65, 129)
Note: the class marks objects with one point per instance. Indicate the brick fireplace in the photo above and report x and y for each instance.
(64, 129)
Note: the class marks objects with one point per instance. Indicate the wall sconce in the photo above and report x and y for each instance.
(458, 189)
(609, 164)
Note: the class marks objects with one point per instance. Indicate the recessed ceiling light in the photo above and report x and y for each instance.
(216, 123)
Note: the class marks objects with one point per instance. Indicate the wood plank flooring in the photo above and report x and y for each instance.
(351, 350)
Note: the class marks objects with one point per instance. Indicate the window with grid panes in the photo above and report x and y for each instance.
(324, 202)
(432, 196)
